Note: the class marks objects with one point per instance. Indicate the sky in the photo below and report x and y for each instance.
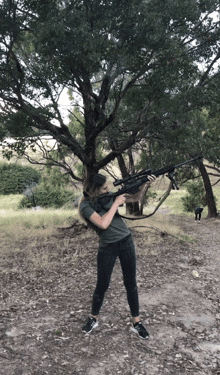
(65, 105)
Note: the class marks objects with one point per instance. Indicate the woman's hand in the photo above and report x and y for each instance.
(151, 178)
(120, 200)
(104, 221)
(130, 198)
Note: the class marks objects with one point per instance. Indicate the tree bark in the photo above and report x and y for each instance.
(134, 204)
(212, 211)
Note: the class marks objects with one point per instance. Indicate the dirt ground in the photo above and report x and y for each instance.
(43, 306)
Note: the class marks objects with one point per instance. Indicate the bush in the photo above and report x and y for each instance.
(47, 195)
(196, 196)
(15, 178)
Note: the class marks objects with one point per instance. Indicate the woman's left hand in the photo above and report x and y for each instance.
(138, 195)
(151, 178)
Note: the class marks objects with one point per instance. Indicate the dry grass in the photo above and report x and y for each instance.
(31, 232)
(155, 228)
(15, 222)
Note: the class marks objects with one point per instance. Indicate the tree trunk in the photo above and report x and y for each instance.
(212, 211)
(135, 202)
(132, 208)
(133, 205)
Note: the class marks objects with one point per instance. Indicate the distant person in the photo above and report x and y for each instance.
(198, 213)
(115, 240)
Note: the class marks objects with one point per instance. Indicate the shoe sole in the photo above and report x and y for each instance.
(143, 338)
(94, 326)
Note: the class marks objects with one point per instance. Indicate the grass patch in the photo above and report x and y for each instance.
(173, 204)
(154, 226)
(10, 202)
(30, 236)
(183, 239)
(17, 224)
(157, 225)
(23, 223)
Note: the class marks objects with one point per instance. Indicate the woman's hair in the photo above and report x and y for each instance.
(91, 188)
(92, 185)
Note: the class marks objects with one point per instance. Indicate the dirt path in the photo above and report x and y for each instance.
(43, 308)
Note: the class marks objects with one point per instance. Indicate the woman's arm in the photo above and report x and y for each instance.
(104, 221)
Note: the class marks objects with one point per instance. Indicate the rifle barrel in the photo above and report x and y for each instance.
(157, 173)
(173, 167)
(133, 183)
(188, 161)
(130, 178)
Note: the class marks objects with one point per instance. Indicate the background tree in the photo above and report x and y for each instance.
(14, 179)
(185, 140)
(195, 197)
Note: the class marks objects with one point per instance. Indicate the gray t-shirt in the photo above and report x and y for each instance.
(115, 231)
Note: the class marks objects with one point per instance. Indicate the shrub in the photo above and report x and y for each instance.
(47, 195)
(196, 196)
(15, 178)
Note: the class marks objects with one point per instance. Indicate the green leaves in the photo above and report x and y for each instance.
(14, 178)
(196, 196)
(132, 63)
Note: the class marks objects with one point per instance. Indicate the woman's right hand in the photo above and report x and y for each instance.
(104, 221)
(120, 200)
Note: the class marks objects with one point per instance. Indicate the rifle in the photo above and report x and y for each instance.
(132, 184)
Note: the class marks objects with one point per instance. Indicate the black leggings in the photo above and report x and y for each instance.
(125, 250)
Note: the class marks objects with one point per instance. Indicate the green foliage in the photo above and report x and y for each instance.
(15, 178)
(196, 196)
(55, 178)
(51, 192)
(135, 54)
(76, 124)
(47, 195)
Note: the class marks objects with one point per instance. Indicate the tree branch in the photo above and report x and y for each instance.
(205, 75)
(60, 134)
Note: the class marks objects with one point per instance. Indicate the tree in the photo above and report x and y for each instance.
(200, 136)
(196, 196)
(212, 211)
(102, 51)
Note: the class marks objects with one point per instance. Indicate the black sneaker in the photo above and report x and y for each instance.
(140, 330)
(90, 324)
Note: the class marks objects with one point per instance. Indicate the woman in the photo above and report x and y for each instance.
(115, 240)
